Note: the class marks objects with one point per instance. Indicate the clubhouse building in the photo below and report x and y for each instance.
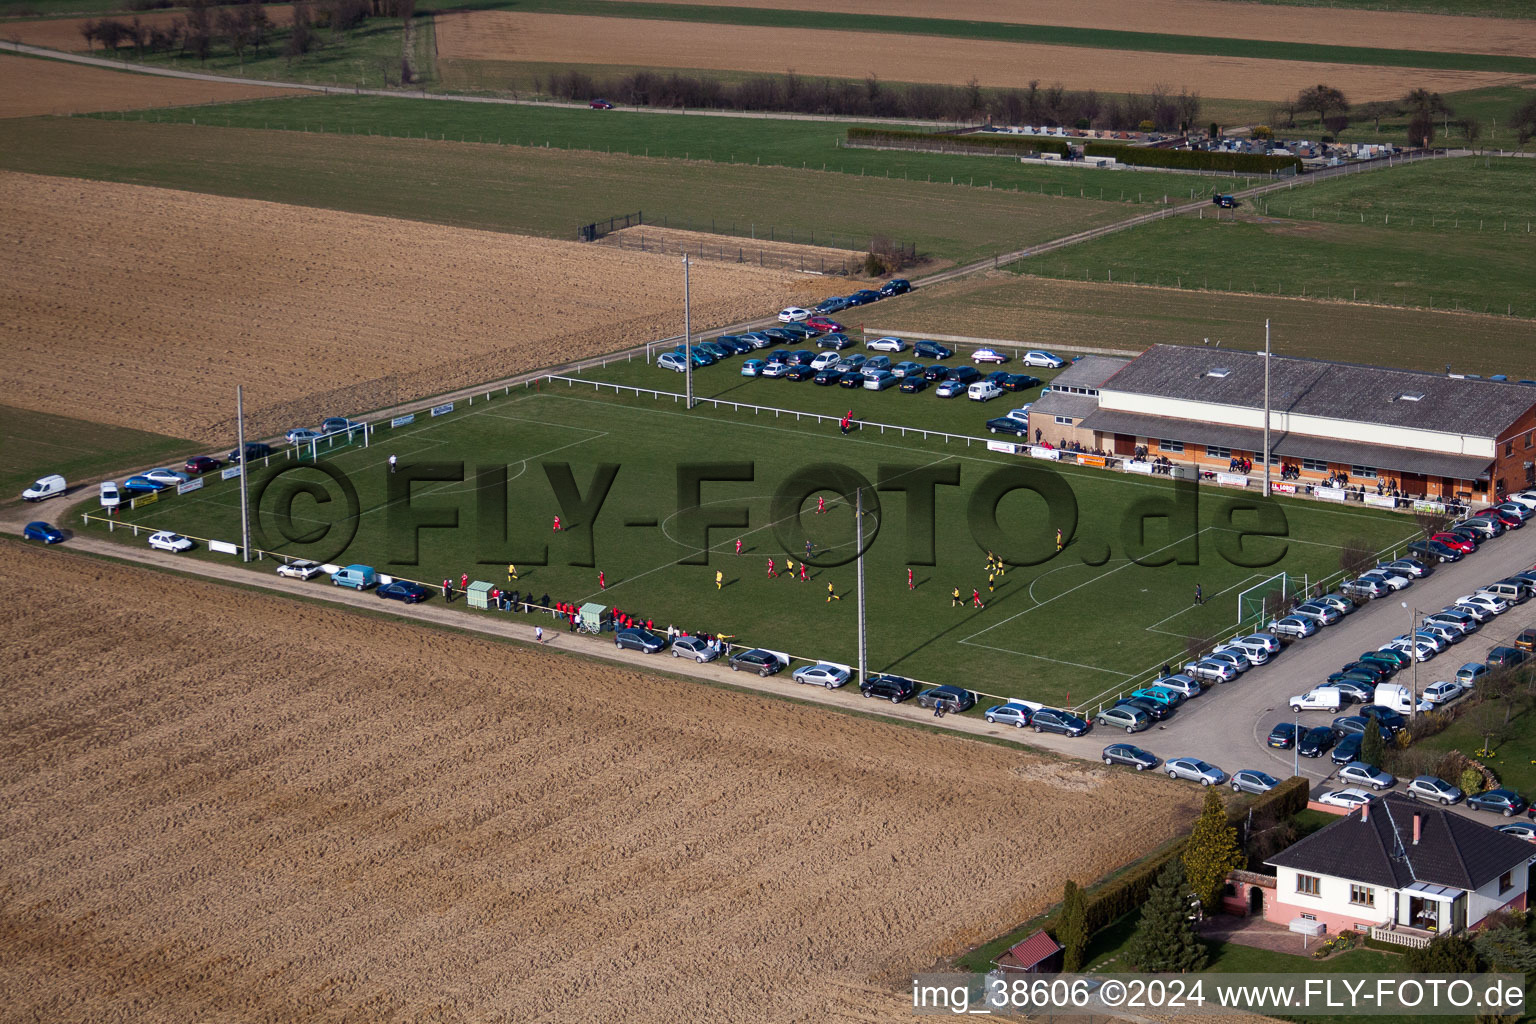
(1381, 434)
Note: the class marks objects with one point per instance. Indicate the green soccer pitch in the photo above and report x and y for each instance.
(1082, 622)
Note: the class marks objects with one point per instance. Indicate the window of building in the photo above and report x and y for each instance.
(1309, 885)
(1314, 466)
(1364, 472)
(1362, 895)
(1170, 446)
(1216, 451)
(1509, 447)
(1506, 881)
(1065, 420)
(1528, 439)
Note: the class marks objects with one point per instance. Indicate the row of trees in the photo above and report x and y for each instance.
(1052, 105)
(240, 29)
(1427, 113)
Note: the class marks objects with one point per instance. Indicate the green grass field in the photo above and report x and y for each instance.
(34, 444)
(1040, 634)
(540, 192)
(801, 145)
(1449, 234)
(1038, 311)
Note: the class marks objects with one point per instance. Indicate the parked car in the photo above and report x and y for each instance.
(1282, 736)
(908, 369)
(752, 367)
(880, 380)
(834, 342)
(1506, 657)
(828, 377)
(764, 663)
(202, 464)
(599, 104)
(137, 485)
(1251, 780)
(950, 388)
(1347, 798)
(1519, 830)
(1317, 612)
(1016, 715)
(301, 435)
(1160, 694)
(167, 477)
(1157, 712)
(989, 355)
(673, 361)
(954, 698)
(1355, 725)
(800, 372)
(1039, 357)
(694, 647)
(1315, 742)
(1486, 602)
(863, 297)
(823, 325)
(893, 688)
(1055, 720)
(357, 576)
(1126, 753)
(165, 540)
(642, 640)
(886, 345)
(404, 590)
(1293, 626)
(1363, 774)
(1195, 770)
(1131, 719)
(793, 315)
(1429, 787)
(773, 371)
(1391, 719)
(914, 383)
(1394, 659)
(835, 304)
(1413, 567)
(851, 379)
(253, 450)
(1525, 640)
(983, 391)
(303, 569)
(1363, 587)
(110, 496)
(1470, 674)
(1319, 698)
(1338, 602)
(1347, 749)
(1212, 669)
(855, 361)
(1433, 552)
(1442, 692)
(1456, 542)
(43, 532)
(895, 286)
(1501, 801)
(1261, 643)
(1352, 689)
(932, 350)
(1254, 656)
(51, 486)
(1181, 684)
(1453, 619)
(1394, 581)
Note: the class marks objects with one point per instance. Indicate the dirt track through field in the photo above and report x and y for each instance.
(1331, 27)
(144, 307)
(559, 38)
(64, 33)
(31, 87)
(459, 829)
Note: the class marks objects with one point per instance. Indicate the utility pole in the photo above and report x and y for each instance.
(1267, 455)
(245, 505)
(687, 339)
(858, 540)
(1413, 653)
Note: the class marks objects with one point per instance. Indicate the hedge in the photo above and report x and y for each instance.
(985, 140)
(1194, 159)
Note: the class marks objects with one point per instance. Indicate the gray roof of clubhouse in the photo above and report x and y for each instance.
(1090, 371)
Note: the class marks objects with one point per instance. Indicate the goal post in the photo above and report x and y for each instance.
(1265, 599)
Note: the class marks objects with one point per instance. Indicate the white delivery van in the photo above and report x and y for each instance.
(1319, 698)
(47, 487)
(1399, 698)
(110, 496)
(983, 391)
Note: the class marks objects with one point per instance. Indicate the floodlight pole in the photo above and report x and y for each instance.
(858, 540)
(245, 507)
(1267, 454)
(687, 339)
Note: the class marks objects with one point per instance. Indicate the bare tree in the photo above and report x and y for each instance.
(1322, 100)
(1471, 130)
(1188, 104)
(1356, 556)
(1432, 523)
(88, 30)
(199, 29)
(1524, 122)
(1376, 110)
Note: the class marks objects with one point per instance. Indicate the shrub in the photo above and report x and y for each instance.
(1471, 781)
(1194, 159)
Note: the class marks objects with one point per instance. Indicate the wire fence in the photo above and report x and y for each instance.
(778, 259)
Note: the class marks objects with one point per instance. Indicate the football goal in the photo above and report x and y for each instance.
(1268, 598)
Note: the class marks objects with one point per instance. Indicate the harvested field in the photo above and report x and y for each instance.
(456, 829)
(756, 252)
(64, 33)
(143, 307)
(559, 38)
(31, 87)
(1388, 31)
(1050, 312)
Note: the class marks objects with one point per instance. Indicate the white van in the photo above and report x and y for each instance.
(47, 487)
(1398, 698)
(1319, 698)
(983, 391)
(110, 497)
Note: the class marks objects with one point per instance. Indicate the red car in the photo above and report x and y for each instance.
(822, 325)
(201, 464)
(1451, 540)
(600, 105)
(1509, 521)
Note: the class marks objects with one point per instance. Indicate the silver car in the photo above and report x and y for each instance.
(1237, 659)
(822, 674)
(1361, 774)
(1253, 655)
(300, 570)
(1185, 686)
(1442, 692)
(1016, 715)
(1294, 626)
(1251, 780)
(1338, 602)
(1318, 613)
(1127, 718)
(695, 648)
(1195, 770)
(1428, 787)
(1210, 668)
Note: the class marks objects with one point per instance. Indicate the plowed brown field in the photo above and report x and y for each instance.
(31, 87)
(64, 33)
(573, 39)
(223, 805)
(1387, 30)
(144, 307)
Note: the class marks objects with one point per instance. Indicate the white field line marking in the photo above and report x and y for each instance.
(1041, 657)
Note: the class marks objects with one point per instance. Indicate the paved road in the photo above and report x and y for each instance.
(1227, 726)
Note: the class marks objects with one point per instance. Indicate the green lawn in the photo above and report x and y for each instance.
(1029, 640)
(34, 444)
(1513, 760)
(540, 192)
(802, 145)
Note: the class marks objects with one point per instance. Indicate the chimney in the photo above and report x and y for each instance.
(1418, 827)
(1365, 811)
